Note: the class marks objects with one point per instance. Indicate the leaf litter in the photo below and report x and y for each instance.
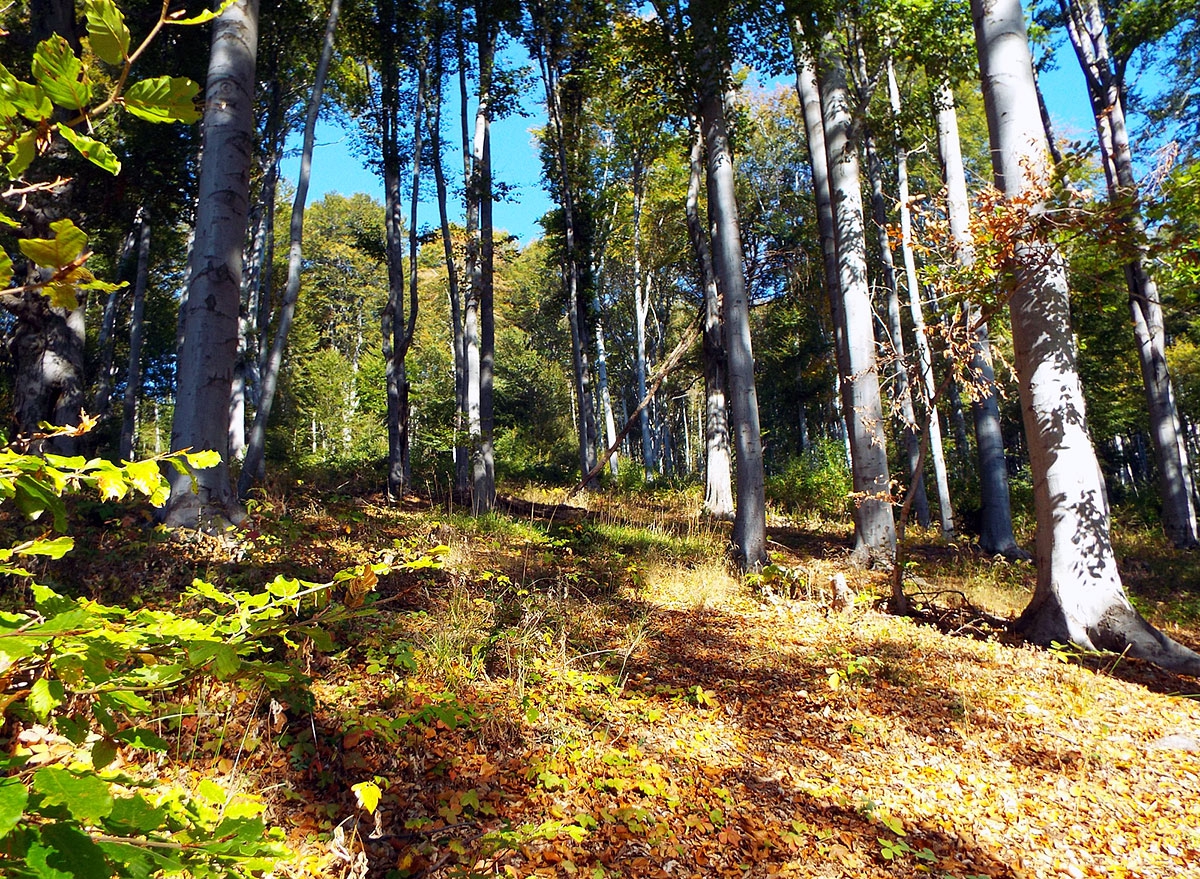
(540, 708)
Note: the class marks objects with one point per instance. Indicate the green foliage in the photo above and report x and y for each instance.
(815, 484)
(93, 679)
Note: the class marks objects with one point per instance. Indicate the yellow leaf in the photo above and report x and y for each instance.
(111, 486)
(367, 793)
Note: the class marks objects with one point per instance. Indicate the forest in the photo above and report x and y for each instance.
(816, 493)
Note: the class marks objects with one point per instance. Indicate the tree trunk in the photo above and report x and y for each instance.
(133, 376)
(479, 319)
(995, 526)
(641, 304)
(1079, 596)
(909, 431)
(718, 464)
(749, 524)
(461, 458)
(1086, 28)
(253, 467)
(924, 353)
(875, 530)
(210, 316)
(814, 128)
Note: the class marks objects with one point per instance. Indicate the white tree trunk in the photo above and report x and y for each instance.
(253, 467)
(133, 376)
(875, 530)
(1086, 27)
(1079, 596)
(209, 319)
(995, 531)
(718, 463)
(749, 523)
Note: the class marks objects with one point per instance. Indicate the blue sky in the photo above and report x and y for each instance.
(515, 160)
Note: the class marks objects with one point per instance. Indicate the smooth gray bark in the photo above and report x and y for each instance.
(1079, 596)
(253, 466)
(809, 93)
(209, 318)
(479, 302)
(641, 306)
(995, 526)
(875, 530)
(916, 310)
(902, 393)
(576, 305)
(718, 465)
(1088, 32)
(749, 523)
(133, 375)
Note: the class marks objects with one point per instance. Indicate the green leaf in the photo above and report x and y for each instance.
(135, 814)
(145, 476)
(44, 696)
(143, 738)
(25, 98)
(65, 852)
(103, 753)
(33, 498)
(205, 16)
(163, 99)
(62, 295)
(61, 250)
(93, 150)
(6, 269)
(24, 152)
(107, 31)
(87, 797)
(55, 548)
(60, 74)
(13, 797)
(203, 460)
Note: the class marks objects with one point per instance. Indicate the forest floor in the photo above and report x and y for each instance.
(587, 691)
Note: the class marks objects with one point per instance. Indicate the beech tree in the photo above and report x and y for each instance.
(1104, 75)
(1079, 596)
(209, 313)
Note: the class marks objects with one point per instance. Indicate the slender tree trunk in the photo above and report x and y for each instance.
(1079, 596)
(610, 425)
(576, 303)
(210, 316)
(479, 319)
(461, 458)
(909, 431)
(133, 376)
(995, 527)
(253, 467)
(641, 304)
(875, 531)
(718, 465)
(1088, 33)
(106, 338)
(749, 524)
(814, 128)
(924, 352)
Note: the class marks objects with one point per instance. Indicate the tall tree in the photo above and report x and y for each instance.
(875, 530)
(995, 528)
(1079, 596)
(209, 318)
(252, 468)
(1104, 75)
(710, 30)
